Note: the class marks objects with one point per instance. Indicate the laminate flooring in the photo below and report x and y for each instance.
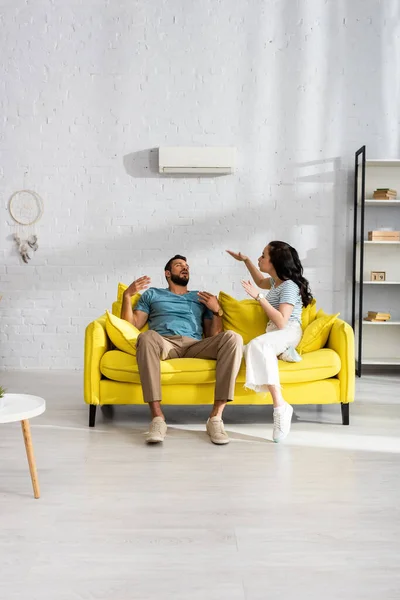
(317, 517)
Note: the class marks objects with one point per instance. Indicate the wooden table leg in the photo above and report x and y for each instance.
(26, 430)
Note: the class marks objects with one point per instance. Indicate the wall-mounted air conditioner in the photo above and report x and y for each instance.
(196, 160)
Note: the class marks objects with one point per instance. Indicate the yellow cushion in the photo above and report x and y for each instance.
(121, 289)
(316, 334)
(246, 317)
(308, 314)
(120, 366)
(122, 334)
(314, 366)
(123, 367)
(117, 308)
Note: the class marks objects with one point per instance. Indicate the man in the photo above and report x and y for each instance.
(177, 321)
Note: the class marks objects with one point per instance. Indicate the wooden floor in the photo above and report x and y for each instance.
(316, 518)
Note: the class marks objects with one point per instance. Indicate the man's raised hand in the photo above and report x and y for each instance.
(137, 286)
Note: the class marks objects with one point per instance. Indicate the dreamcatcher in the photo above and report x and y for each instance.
(26, 209)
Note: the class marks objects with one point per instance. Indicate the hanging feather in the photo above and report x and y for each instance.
(32, 242)
(23, 250)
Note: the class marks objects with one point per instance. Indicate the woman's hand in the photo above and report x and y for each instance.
(250, 289)
(238, 256)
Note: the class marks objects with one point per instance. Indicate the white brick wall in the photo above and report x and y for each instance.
(87, 90)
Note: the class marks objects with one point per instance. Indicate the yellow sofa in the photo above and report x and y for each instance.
(324, 376)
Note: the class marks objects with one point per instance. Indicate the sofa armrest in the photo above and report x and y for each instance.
(96, 344)
(341, 340)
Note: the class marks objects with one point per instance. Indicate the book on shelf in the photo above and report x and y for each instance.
(378, 317)
(385, 194)
(382, 235)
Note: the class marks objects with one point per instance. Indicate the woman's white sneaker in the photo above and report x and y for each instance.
(282, 421)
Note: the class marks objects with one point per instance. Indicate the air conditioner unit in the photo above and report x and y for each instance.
(196, 159)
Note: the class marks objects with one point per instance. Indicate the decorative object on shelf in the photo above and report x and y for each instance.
(378, 276)
(384, 235)
(377, 317)
(26, 209)
(384, 194)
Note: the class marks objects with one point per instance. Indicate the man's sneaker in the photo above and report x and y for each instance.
(157, 431)
(282, 421)
(216, 431)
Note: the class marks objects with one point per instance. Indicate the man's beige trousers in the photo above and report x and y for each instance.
(225, 347)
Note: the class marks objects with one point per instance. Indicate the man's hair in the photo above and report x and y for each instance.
(176, 257)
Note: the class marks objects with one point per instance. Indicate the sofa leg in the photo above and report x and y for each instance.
(345, 413)
(92, 414)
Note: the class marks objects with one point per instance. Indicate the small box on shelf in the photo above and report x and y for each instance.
(378, 276)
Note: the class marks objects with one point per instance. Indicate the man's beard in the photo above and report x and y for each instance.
(178, 280)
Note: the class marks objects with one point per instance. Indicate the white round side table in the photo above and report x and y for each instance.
(22, 407)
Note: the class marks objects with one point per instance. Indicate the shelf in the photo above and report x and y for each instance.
(381, 361)
(386, 323)
(368, 243)
(372, 202)
(379, 282)
(382, 162)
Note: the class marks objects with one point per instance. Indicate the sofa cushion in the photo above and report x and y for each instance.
(316, 334)
(119, 366)
(245, 317)
(314, 366)
(122, 334)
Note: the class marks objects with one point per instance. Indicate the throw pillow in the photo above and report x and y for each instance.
(308, 314)
(122, 334)
(246, 317)
(316, 334)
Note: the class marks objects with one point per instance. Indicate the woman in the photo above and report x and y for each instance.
(288, 292)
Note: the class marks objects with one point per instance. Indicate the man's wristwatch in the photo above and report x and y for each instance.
(260, 297)
(218, 313)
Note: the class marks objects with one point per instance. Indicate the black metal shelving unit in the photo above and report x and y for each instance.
(358, 236)
(369, 174)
